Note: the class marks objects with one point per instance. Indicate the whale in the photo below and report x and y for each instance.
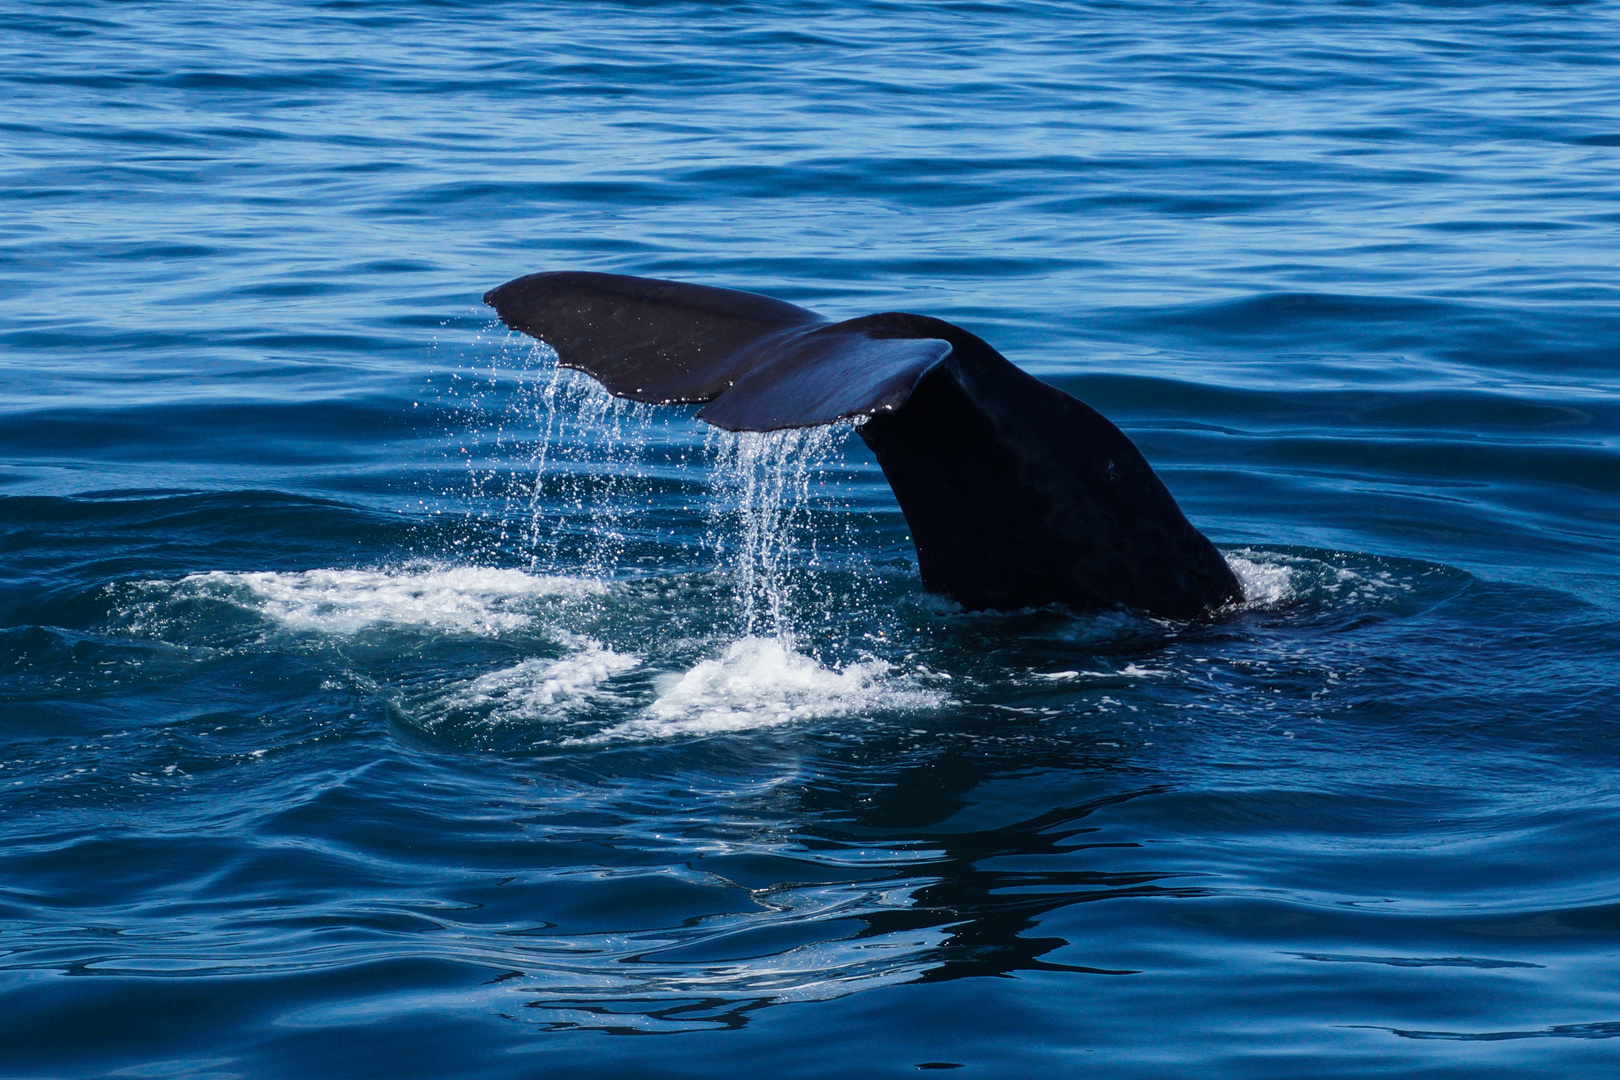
(1017, 494)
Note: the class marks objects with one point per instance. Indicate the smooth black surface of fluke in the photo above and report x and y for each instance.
(1017, 493)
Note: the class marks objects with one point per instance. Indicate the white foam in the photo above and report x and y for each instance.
(482, 600)
(1129, 671)
(761, 682)
(543, 689)
(1265, 584)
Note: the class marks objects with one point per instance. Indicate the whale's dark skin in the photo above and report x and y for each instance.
(1017, 494)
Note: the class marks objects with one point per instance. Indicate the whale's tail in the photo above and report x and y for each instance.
(1017, 494)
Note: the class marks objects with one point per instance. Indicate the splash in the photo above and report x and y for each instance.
(761, 682)
(598, 476)
(610, 436)
(582, 471)
(1266, 583)
(760, 519)
(561, 467)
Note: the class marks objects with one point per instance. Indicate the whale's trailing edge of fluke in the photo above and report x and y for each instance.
(1017, 494)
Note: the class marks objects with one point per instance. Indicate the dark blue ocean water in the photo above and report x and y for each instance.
(377, 701)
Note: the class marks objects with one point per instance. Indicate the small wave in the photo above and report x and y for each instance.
(481, 600)
(762, 682)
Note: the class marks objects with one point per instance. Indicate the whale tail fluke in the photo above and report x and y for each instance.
(1017, 493)
(759, 364)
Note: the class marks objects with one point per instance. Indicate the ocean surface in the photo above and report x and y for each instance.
(378, 701)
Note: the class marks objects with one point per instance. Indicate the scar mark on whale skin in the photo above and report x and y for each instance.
(1017, 494)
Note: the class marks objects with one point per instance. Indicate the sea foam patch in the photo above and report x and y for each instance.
(479, 600)
(762, 682)
(538, 689)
